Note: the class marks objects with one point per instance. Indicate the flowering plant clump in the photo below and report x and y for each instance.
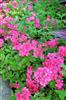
(32, 58)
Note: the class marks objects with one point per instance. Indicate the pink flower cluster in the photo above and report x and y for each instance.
(35, 1)
(25, 95)
(38, 51)
(14, 4)
(35, 20)
(1, 42)
(30, 83)
(25, 48)
(51, 43)
(30, 6)
(53, 59)
(37, 23)
(51, 70)
(4, 19)
(31, 18)
(65, 4)
(62, 51)
(0, 0)
(59, 84)
(48, 19)
(43, 76)
(24, 45)
(1, 31)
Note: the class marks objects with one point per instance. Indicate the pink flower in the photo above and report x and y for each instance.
(17, 85)
(0, 10)
(65, 4)
(36, 20)
(10, 26)
(25, 49)
(15, 26)
(22, 37)
(54, 43)
(4, 4)
(18, 96)
(35, 1)
(53, 62)
(62, 51)
(34, 44)
(25, 95)
(1, 42)
(33, 14)
(24, 1)
(27, 19)
(1, 30)
(14, 40)
(30, 6)
(14, 33)
(54, 23)
(59, 84)
(9, 18)
(7, 10)
(29, 72)
(43, 76)
(37, 23)
(14, 4)
(1, 0)
(6, 36)
(53, 59)
(14, 37)
(48, 19)
(38, 52)
(31, 18)
(31, 84)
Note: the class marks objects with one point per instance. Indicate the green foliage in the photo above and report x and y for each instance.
(40, 96)
(64, 67)
(12, 66)
(62, 94)
(42, 9)
(12, 97)
(52, 84)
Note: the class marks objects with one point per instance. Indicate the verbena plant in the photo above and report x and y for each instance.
(27, 46)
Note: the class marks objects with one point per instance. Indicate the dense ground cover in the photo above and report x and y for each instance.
(32, 58)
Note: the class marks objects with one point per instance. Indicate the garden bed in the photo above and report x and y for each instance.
(32, 50)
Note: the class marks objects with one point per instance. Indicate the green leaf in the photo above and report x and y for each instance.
(12, 98)
(52, 84)
(64, 73)
(64, 66)
(61, 93)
